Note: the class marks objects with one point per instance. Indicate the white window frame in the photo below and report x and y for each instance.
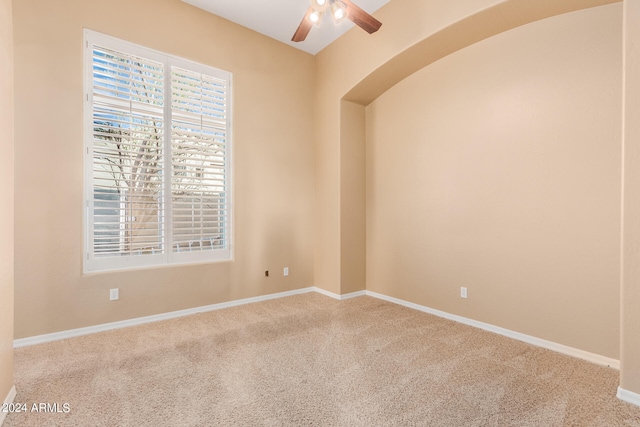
(169, 257)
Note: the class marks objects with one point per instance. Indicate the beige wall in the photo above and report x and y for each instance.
(339, 67)
(497, 168)
(6, 199)
(273, 167)
(630, 342)
(582, 313)
(352, 198)
(359, 67)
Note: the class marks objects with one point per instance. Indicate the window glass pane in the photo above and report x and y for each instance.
(199, 161)
(127, 154)
(157, 146)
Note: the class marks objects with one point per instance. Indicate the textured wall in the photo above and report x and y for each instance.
(6, 199)
(497, 168)
(352, 198)
(359, 67)
(415, 36)
(273, 164)
(630, 357)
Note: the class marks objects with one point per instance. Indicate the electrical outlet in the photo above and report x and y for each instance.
(114, 294)
(286, 271)
(463, 292)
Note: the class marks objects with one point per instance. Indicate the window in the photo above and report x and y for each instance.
(157, 158)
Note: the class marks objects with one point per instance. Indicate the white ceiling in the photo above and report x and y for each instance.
(279, 19)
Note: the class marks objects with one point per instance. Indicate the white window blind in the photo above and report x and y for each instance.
(157, 158)
(198, 143)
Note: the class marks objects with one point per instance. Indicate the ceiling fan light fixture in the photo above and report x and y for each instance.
(315, 17)
(319, 5)
(338, 11)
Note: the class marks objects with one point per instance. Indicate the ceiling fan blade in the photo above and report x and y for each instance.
(303, 28)
(361, 18)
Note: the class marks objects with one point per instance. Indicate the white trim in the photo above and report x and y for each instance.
(7, 400)
(326, 293)
(41, 339)
(628, 396)
(560, 348)
(353, 295)
(167, 256)
(339, 297)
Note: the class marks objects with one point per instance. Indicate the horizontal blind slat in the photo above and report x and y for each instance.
(198, 183)
(128, 127)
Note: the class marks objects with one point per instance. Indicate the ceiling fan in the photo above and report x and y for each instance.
(339, 9)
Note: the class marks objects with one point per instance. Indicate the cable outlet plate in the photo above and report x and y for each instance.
(114, 294)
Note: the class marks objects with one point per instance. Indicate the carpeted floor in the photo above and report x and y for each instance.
(311, 360)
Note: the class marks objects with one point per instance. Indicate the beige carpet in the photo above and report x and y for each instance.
(310, 360)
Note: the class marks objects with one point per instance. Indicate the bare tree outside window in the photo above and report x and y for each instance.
(128, 154)
(137, 208)
(198, 179)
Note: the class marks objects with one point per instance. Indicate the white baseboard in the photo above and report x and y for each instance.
(353, 295)
(340, 297)
(628, 396)
(7, 400)
(41, 339)
(560, 348)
